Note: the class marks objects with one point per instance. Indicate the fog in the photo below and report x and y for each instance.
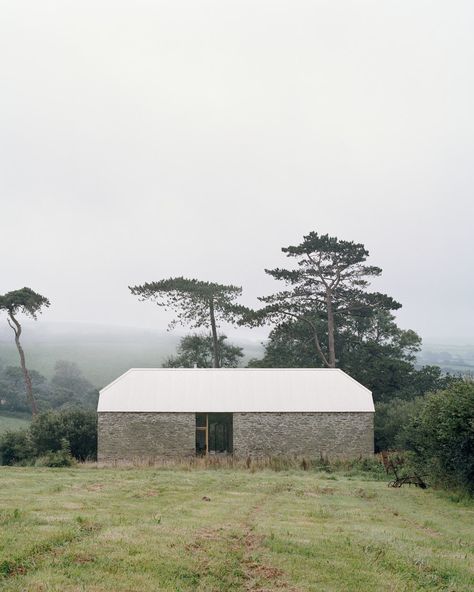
(148, 139)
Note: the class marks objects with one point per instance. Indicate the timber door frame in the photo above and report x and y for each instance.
(204, 429)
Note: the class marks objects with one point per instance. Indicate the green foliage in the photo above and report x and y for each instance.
(25, 301)
(374, 351)
(12, 389)
(59, 458)
(67, 375)
(16, 447)
(289, 346)
(67, 389)
(72, 431)
(47, 431)
(30, 303)
(195, 303)
(441, 436)
(197, 350)
(77, 427)
(391, 421)
(326, 292)
(190, 299)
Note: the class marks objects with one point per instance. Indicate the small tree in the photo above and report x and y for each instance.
(30, 303)
(195, 303)
(197, 350)
(328, 286)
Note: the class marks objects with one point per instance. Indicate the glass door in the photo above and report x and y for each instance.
(214, 433)
(202, 434)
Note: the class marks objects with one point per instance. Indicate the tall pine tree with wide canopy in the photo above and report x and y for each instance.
(197, 304)
(326, 291)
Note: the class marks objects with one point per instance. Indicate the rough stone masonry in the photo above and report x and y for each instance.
(143, 436)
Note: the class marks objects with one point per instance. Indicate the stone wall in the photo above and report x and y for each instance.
(304, 434)
(143, 436)
(128, 437)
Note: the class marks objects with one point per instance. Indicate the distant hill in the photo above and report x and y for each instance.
(451, 357)
(102, 352)
(105, 352)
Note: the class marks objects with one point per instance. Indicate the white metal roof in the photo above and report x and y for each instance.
(200, 390)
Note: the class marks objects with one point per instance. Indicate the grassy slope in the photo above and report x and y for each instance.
(11, 422)
(100, 359)
(101, 353)
(100, 529)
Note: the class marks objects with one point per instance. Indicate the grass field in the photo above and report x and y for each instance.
(12, 422)
(89, 529)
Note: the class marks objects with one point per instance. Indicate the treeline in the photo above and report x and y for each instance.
(66, 389)
(323, 314)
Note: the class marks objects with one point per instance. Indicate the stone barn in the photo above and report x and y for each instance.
(161, 413)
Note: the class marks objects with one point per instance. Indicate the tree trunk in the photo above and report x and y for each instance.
(26, 375)
(318, 349)
(215, 341)
(331, 346)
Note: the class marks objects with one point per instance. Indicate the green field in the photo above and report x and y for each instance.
(90, 529)
(12, 422)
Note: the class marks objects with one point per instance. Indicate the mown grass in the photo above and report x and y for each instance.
(12, 422)
(89, 529)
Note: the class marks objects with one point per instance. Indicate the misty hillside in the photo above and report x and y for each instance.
(102, 352)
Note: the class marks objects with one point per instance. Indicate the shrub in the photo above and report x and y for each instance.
(441, 436)
(77, 427)
(368, 466)
(46, 431)
(80, 430)
(16, 447)
(391, 421)
(59, 458)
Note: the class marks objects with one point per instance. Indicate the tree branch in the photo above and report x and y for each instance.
(315, 334)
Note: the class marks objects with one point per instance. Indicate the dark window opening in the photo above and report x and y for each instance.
(213, 433)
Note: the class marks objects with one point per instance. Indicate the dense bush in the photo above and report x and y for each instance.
(50, 433)
(59, 458)
(77, 427)
(441, 436)
(391, 421)
(16, 447)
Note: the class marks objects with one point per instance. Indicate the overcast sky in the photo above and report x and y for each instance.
(147, 139)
